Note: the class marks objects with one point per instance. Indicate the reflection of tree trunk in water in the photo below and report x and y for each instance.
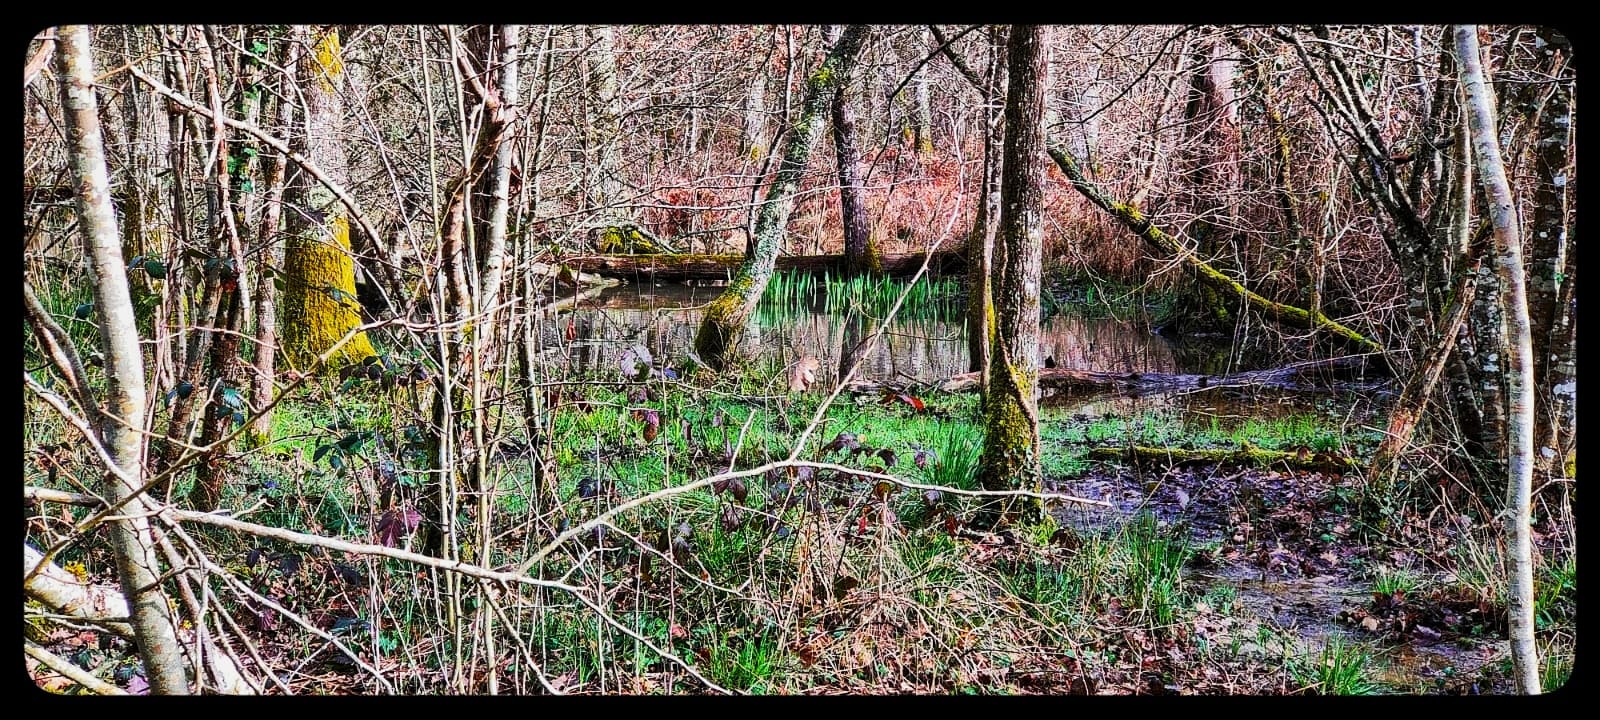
(854, 346)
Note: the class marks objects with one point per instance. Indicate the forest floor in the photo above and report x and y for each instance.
(1197, 579)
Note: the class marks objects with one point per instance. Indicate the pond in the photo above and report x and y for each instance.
(925, 343)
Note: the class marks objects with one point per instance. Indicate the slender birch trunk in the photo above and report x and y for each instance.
(1519, 355)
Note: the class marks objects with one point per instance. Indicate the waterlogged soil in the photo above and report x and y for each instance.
(1283, 572)
(1280, 567)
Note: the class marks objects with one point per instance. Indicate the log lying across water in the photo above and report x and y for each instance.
(675, 268)
(1247, 456)
(1335, 374)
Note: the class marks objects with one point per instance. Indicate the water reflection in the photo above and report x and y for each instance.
(923, 348)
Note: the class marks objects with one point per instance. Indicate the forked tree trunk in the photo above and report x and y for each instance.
(726, 316)
(1519, 352)
(121, 422)
(1010, 457)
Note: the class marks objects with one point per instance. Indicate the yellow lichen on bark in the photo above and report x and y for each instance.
(320, 299)
(329, 58)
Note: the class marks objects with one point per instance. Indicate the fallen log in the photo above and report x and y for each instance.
(1130, 217)
(1335, 374)
(674, 268)
(1246, 455)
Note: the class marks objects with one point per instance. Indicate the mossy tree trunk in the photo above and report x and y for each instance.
(1010, 457)
(726, 316)
(319, 296)
(121, 423)
(861, 256)
(1131, 218)
(1518, 350)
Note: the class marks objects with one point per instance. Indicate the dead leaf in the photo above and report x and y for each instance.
(804, 374)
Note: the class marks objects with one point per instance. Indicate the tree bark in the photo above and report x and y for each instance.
(861, 255)
(603, 127)
(319, 303)
(726, 316)
(270, 262)
(1548, 252)
(1519, 360)
(1010, 458)
(121, 422)
(980, 242)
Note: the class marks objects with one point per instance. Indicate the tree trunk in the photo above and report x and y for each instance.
(980, 242)
(603, 126)
(725, 317)
(269, 262)
(755, 117)
(1548, 251)
(922, 112)
(122, 422)
(1519, 360)
(1131, 218)
(1010, 457)
(319, 303)
(861, 256)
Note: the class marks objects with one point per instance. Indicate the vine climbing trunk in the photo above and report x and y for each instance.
(726, 316)
(1010, 457)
